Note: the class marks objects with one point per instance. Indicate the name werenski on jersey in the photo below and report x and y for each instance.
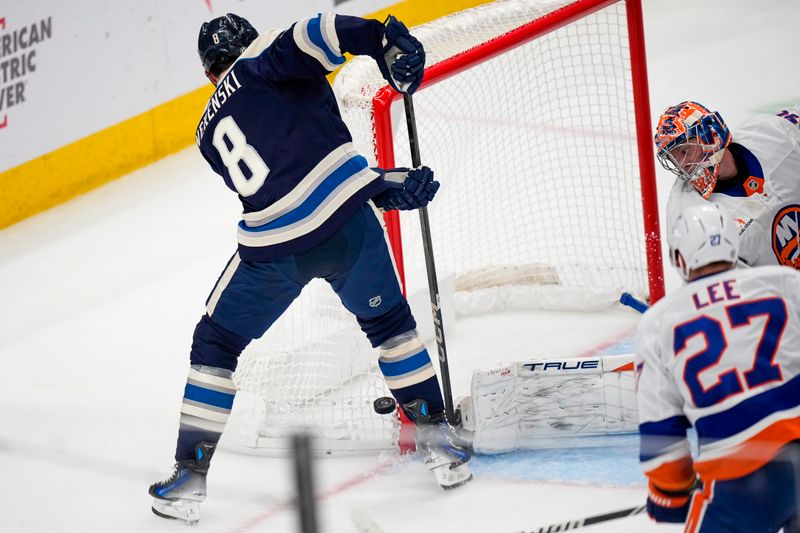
(225, 90)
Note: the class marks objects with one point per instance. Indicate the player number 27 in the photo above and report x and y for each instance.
(729, 382)
(240, 154)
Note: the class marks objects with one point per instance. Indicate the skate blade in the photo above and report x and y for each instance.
(449, 478)
(186, 511)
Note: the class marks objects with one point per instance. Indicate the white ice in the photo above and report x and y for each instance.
(100, 297)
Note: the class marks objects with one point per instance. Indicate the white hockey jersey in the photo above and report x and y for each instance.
(767, 205)
(721, 354)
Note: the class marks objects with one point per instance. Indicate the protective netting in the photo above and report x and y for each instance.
(314, 369)
(536, 152)
(535, 149)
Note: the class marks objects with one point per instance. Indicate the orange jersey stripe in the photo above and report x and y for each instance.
(674, 475)
(751, 454)
(697, 507)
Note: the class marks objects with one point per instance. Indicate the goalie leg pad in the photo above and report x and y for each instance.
(539, 402)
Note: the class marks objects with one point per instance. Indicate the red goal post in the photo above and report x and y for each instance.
(384, 143)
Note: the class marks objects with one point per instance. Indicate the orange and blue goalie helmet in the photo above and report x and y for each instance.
(690, 140)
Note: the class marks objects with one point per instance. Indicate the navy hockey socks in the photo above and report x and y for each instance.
(408, 371)
(207, 401)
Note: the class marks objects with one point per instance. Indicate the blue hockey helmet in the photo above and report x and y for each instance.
(224, 39)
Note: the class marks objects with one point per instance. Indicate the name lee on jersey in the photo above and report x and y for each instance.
(225, 89)
(716, 292)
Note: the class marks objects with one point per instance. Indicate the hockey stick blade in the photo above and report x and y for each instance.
(588, 521)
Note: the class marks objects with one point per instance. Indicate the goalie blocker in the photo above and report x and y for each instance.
(538, 403)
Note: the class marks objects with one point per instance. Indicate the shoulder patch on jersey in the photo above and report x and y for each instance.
(785, 236)
(754, 185)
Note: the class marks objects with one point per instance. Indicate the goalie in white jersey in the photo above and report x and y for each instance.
(721, 354)
(753, 172)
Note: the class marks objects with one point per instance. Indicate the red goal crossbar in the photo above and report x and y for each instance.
(384, 145)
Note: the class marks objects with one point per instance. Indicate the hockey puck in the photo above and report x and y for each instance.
(384, 405)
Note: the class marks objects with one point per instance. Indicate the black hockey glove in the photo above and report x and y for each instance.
(407, 189)
(402, 58)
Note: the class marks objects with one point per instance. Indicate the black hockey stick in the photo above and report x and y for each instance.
(303, 475)
(589, 520)
(430, 266)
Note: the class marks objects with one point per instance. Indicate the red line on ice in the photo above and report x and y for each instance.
(289, 504)
(597, 350)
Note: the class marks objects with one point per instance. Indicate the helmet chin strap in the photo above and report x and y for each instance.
(680, 264)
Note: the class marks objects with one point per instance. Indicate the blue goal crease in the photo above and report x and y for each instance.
(610, 460)
(623, 346)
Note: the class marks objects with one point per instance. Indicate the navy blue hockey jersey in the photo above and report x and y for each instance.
(273, 131)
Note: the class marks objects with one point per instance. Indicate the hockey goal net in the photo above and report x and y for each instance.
(534, 116)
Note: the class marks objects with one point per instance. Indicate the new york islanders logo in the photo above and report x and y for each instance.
(786, 236)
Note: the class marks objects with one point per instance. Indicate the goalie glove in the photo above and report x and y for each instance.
(669, 505)
(406, 189)
(402, 58)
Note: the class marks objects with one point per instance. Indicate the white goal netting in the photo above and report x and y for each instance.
(535, 149)
(540, 206)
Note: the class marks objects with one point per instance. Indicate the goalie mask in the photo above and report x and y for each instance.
(701, 235)
(690, 141)
(224, 39)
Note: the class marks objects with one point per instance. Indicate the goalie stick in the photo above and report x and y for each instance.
(589, 520)
(430, 267)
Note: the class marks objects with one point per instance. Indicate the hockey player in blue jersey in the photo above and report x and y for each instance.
(273, 131)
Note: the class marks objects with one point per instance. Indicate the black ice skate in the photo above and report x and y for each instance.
(179, 496)
(437, 443)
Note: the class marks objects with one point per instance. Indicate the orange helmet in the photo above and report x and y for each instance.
(690, 141)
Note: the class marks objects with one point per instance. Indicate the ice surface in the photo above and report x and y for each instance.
(100, 297)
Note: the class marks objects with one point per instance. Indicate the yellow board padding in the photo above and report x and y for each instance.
(86, 164)
(118, 150)
(415, 12)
